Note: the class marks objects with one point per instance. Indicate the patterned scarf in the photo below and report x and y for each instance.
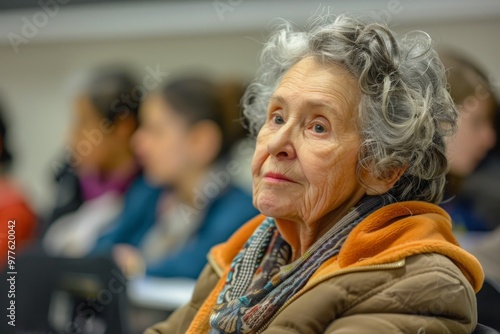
(260, 281)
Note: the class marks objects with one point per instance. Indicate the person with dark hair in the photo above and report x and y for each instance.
(5, 155)
(100, 166)
(17, 219)
(473, 183)
(183, 144)
(476, 102)
(349, 166)
(481, 195)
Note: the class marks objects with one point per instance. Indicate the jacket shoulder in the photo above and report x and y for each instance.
(428, 292)
(402, 230)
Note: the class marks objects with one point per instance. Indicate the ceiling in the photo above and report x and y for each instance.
(6, 5)
(113, 19)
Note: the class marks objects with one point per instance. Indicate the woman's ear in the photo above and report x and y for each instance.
(205, 142)
(381, 185)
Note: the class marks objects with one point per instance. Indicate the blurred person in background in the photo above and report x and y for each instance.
(475, 136)
(481, 188)
(473, 199)
(17, 219)
(186, 132)
(481, 192)
(100, 167)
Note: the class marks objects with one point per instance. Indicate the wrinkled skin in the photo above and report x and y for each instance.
(305, 163)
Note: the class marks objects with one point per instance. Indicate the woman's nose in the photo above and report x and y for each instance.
(281, 144)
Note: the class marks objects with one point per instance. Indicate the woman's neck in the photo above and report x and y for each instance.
(302, 234)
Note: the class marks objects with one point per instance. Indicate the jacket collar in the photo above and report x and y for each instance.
(388, 235)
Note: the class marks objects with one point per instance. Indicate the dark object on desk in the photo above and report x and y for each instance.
(482, 329)
(488, 304)
(60, 295)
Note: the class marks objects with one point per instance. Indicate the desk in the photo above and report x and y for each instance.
(160, 293)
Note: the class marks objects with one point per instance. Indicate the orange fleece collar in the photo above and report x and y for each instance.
(400, 230)
(389, 234)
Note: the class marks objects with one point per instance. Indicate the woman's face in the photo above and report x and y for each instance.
(90, 144)
(304, 166)
(475, 136)
(161, 141)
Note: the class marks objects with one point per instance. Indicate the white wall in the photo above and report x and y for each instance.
(35, 83)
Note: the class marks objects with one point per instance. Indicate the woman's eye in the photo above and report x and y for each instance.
(278, 119)
(318, 128)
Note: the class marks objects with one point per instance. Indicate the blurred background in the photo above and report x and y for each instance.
(46, 46)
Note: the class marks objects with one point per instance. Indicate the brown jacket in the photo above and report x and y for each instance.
(399, 271)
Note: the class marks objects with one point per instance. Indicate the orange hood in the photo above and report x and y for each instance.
(389, 234)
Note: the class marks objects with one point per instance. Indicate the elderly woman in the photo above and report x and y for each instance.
(349, 163)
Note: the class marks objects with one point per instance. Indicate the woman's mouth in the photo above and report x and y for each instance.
(276, 177)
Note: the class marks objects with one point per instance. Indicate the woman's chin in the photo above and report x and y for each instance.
(274, 207)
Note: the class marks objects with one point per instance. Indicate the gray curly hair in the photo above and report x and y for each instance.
(405, 109)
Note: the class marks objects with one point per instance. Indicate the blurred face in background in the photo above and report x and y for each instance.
(162, 142)
(475, 135)
(97, 144)
(87, 141)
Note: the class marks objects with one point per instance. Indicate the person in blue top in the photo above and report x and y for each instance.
(477, 104)
(183, 145)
